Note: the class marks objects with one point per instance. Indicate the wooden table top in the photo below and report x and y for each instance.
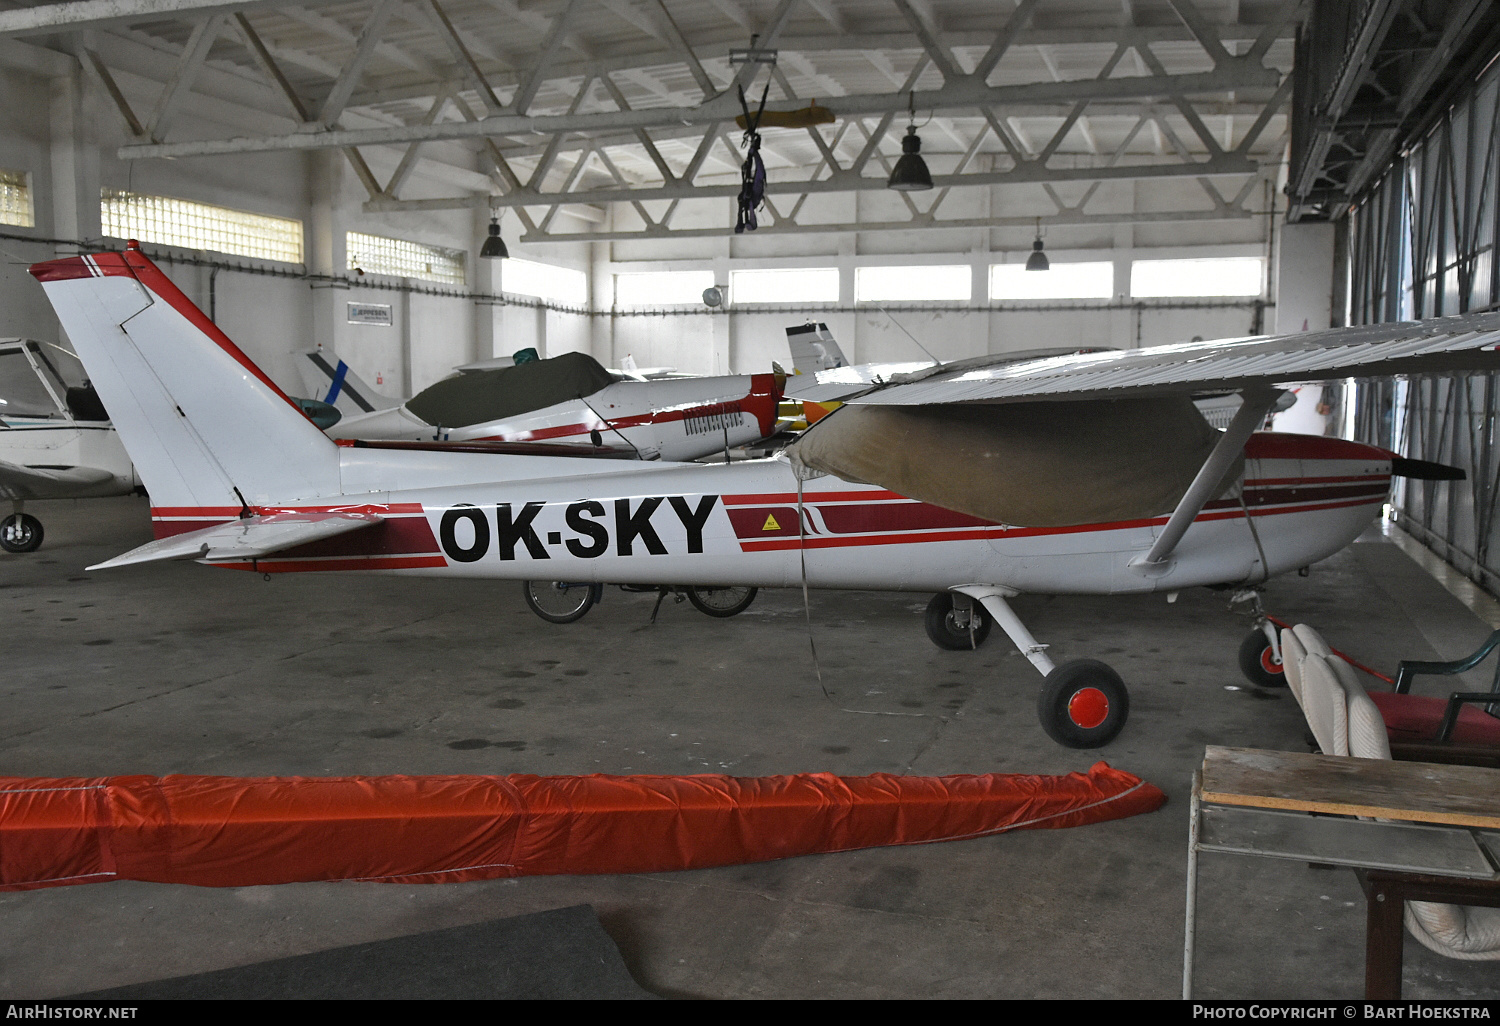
(1418, 792)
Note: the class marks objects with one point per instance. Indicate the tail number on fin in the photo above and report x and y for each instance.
(521, 531)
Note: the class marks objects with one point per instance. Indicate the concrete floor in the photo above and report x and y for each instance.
(188, 669)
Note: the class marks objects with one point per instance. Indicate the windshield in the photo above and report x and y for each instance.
(26, 372)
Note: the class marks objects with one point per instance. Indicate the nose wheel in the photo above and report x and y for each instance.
(1083, 703)
(20, 532)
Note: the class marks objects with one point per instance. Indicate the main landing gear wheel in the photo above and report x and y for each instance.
(1259, 663)
(20, 532)
(561, 601)
(721, 602)
(1083, 704)
(941, 621)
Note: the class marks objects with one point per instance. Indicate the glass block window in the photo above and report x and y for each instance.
(189, 225)
(785, 285)
(922, 283)
(15, 198)
(1208, 276)
(544, 281)
(662, 288)
(1083, 280)
(377, 254)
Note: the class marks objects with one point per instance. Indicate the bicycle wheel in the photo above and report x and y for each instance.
(721, 601)
(560, 601)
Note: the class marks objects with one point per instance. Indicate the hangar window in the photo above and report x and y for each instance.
(785, 285)
(178, 222)
(376, 254)
(661, 288)
(544, 281)
(1088, 280)
(1210, 276)
(919, 284)
(15, 198)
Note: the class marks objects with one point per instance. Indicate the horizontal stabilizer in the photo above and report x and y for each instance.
(248, 538)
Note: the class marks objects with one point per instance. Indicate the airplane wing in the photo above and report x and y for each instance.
(1444, 344)
(248, 538)
(1105, 436)
(21, 482)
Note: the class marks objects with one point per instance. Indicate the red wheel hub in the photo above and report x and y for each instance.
(1269, 662)
(1088, 707)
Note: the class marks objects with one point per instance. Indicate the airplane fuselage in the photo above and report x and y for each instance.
(673, 419)
(739, 525)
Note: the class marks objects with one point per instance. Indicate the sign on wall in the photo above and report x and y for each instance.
(370, 313)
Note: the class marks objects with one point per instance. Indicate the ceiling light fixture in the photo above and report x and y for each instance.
(1038, 260)
(910, 173)
(494, 246)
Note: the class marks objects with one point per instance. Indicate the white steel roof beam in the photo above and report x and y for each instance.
(1003, 41)
(194, 53)
(934, 50)
(550, 46)
(960, 95)
(132, 123)
(640, 133)
(364, 49)
(64, 17)
(450, 37)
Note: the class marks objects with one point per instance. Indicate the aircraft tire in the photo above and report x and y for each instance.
(560, 601)
(1083, 704)
(1259, 664)
(20, 532)
(721, 602)
(945, 633)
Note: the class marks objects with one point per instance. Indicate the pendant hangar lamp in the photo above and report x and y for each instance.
(494, 246)
(1038, 260)
(910, 173)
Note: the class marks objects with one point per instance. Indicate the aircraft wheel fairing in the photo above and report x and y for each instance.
(20, 532)
(561, 601)
(1259, 663)
(1083, 704)
(722, 602)
(942, 625)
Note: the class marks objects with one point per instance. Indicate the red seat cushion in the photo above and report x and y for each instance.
(1417, 718)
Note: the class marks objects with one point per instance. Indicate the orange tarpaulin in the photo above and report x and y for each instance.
(234, 831)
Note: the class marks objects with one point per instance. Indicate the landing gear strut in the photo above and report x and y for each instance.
(1260, 652)
(1083, 703)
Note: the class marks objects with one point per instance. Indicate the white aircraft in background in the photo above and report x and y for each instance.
(56, 441)
(569, 403)
(1087, 473)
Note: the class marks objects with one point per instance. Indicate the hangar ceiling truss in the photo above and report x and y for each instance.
(606, 119)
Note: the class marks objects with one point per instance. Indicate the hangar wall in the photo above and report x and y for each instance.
(1421, 244)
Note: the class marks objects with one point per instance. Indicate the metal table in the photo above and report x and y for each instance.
(1412, 830)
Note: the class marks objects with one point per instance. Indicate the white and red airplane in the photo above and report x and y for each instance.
(568, 400)
(240, 478)
(55, 438)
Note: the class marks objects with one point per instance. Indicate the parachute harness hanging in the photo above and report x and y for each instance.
(753, 171)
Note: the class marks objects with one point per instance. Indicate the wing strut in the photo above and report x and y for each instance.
(1257, 402)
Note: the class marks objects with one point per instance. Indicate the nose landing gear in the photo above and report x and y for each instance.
(1083, 702)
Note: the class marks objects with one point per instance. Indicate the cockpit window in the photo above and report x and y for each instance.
(35, 378)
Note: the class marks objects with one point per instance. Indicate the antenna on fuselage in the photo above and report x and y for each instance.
(909, 335)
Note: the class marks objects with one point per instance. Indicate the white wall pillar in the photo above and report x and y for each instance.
(74, 153)
(325, 247)
(1304, 278)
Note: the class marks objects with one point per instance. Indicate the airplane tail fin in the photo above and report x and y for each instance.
(813, 349)
(203, 424)
(330, 380)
